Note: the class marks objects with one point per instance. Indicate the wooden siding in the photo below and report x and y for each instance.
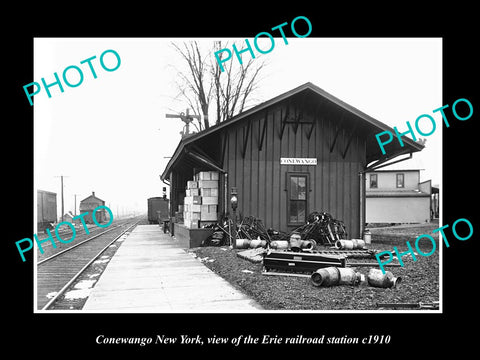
(253, 163)
(248, 147)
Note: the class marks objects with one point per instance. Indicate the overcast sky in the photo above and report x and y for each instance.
(110, 134)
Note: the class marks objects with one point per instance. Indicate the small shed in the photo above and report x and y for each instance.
(302, 151)
(68, 217)
(89, 204)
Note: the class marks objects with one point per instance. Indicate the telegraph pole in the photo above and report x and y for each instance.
(61, 182)
(75, 209)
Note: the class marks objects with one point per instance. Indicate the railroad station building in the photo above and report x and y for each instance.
(89, 204)
(302, 151)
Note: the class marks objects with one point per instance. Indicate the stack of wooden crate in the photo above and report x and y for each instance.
(179, 214)
(201, 200)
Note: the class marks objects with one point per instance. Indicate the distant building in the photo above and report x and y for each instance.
(68, 217)
(397, 196)
(89, 204)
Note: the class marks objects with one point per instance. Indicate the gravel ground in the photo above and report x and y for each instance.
(420, 279)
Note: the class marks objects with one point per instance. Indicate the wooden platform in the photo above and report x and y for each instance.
(190, 238)
(152, 273)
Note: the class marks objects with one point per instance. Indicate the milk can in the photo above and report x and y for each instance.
(376, 278)
(242, 243)
(255, 243)
(348, 276)
(327, 276)
(279, 244)
(308, 244)
(367, 236)
(295, 240)
(332, 275)
(350, 244)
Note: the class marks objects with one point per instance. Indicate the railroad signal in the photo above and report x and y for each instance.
(186, 118)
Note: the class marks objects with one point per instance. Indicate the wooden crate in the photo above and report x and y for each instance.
(209, 192)
(208, 184)
(210, 200)
(192, 200)
(192, 184)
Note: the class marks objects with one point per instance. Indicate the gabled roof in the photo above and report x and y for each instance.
(91, 197)
(410, 145)
(394, 170)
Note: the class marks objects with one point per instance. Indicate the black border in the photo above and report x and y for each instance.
(425, 333)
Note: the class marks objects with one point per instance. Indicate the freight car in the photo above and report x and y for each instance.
(157, 210)
(46, 210)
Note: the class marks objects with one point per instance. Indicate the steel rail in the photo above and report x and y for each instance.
(91, 229)
(80, 243)
(77, 275)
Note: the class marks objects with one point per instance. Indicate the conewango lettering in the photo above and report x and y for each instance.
(427, 129)
(218, 54)
(69, 224)
(417, 240)
(70, 79)
(101, 339)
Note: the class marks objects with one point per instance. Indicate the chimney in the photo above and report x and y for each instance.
(93, 193)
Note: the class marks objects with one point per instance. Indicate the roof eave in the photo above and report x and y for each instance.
(414, 146)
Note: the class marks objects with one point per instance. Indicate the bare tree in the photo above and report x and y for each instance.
(205, 83)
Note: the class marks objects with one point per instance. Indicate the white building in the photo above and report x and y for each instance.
(397, 196)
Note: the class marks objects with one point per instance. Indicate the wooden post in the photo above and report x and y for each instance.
(362, 177)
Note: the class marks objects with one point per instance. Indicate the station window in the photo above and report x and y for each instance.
(297, 198)
(400, 180)
(373, 181)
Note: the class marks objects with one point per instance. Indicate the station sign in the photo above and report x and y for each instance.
(298, 161)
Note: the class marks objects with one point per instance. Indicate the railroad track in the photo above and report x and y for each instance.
(56, 273)
(81, 235)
